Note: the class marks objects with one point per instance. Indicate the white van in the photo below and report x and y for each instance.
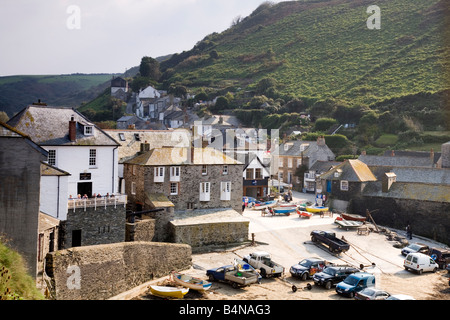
(420, 262)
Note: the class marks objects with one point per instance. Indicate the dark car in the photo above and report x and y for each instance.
(441, 256)
(415, 247)
(306, 268)
(331, 276)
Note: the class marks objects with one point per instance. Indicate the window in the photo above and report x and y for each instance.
(205, 191)
(137, 137)
(249, 174)
(225, 170)
(204, 170)
(258, 174)
(280, 162)
(51, 157)
(299, 162)
(92, 158)
(290, 162)
(344, 185)
(159, 174)
(173, 189)
(174, 174)
(225, 191)
(190, 205)
(122, 137)
(133, 188)
(88, 131)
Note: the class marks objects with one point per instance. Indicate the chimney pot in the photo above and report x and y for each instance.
(72, 130)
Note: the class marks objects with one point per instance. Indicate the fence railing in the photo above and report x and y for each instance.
(103, 202)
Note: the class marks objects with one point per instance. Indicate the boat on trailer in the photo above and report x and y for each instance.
(190, 282)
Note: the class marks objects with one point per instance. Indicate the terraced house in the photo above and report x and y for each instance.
(189, 178)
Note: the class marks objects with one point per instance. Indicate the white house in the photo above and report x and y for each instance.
(54, 191)
(75, 145)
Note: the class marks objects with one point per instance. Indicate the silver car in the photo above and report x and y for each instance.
(372, 294)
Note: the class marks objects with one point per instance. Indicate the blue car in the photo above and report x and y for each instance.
(355, 283)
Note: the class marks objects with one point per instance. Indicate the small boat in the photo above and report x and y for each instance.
(190, 282)
(287, 205)
(353, 217)
(304, 214)
(171, 292)
(348, 224)
(267, 204)
(287, 211)
(316, 209)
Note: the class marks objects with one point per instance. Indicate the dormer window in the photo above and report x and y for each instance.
(88, 130)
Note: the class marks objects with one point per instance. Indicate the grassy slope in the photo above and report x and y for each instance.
(324, 49)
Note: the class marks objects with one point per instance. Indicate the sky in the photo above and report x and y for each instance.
(105, 36)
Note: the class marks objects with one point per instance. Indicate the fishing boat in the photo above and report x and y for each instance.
(316, 209)
(264, 205)
(353, 217)
(190, 282)
(171, 292)
(287, 211)
(304, 214)
(348, 224)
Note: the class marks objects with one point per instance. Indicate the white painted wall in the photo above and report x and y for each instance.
(54, 195)
(75, 160)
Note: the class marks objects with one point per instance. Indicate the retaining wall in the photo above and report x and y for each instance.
(104, 271)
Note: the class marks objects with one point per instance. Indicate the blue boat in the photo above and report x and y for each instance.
(286, 210)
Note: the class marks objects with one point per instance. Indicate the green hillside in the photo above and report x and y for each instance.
(323, 49)
(16, 92)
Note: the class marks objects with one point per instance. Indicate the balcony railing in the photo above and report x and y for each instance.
(103, 202)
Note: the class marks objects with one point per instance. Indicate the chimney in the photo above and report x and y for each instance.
(392, 153)
(72, 130)
(363, 152)
(145, 147)
(432, 157)
(321, 141)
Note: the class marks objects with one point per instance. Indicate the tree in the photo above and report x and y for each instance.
(149, 68)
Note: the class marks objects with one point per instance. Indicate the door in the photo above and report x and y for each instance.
(85, 188)
(76, 238)
(329, 186)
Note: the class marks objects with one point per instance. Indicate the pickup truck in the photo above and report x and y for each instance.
(232, 275)
(261, 260)
(329, 238)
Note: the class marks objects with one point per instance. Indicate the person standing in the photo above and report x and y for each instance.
(409, 232)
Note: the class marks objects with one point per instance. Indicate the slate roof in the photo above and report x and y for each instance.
(181, 156)
(49, 126)
(415, 174)
(309, 151)
(398, 161)
(411, 191)
(324, 166)
(351, 170)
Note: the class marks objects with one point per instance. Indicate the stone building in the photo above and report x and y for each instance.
(20, 176)
(293, 154)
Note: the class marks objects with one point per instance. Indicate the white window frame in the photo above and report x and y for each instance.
(225, 190)
(344, 185)
(88, 130)
(225, 170)
(175, 174)
(204, 170)
(205, 191)
(92, 158)
(289, 162)
(174, 188)
(133, 188)
(158, 174)
(51, 159)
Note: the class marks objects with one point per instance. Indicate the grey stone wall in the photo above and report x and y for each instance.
(428, 219)
(20, 177)
(98, 225)
(141, 230)
(101, 272)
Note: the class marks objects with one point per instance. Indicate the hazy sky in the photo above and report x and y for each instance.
(105, 36)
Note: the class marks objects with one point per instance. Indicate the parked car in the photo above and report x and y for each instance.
(371, 294)
(355, 283)
(332, 275)
(306, 268)
(448, 268)
(400, 297)
(440, 255)
(262, 261)
(420, 262)
(232, 275)
(415, 247)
